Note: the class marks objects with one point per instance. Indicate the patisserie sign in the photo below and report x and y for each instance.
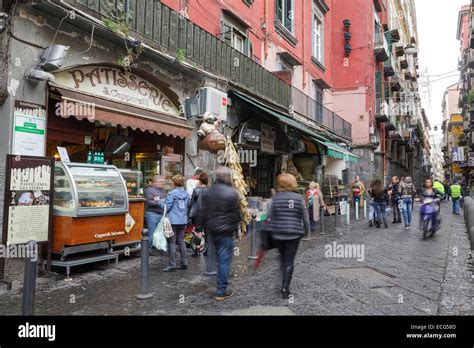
(118, 85)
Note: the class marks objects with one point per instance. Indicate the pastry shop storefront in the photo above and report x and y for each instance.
(110, 131)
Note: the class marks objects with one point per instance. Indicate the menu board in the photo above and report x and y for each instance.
(28, 199)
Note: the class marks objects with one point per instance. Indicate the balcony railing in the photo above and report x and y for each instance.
(381, 110)
(310, 108)
(164, 29)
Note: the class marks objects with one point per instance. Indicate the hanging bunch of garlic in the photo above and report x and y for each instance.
(232, 161)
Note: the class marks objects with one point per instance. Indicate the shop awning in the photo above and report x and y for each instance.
(93, 108)
(336, 151)
(280, 116)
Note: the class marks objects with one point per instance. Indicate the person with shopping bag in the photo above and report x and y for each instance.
(176, 206)
(154, 195)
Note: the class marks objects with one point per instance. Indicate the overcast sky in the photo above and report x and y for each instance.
(438, 49)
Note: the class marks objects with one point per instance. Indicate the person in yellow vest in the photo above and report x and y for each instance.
(456, 196)
(439, 186)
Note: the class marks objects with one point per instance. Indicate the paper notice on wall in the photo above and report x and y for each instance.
(29, 129)
(129, 223)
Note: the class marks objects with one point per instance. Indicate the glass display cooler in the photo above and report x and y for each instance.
(88, 190)
(134, 182)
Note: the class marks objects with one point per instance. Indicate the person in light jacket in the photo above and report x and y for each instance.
(314, 201)
(289, 222)
(177, 209)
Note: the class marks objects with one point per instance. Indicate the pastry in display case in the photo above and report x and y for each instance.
(134, 182)
(89, 190)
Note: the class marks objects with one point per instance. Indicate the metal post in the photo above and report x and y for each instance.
(144, 281)
(365, 208)
(337, 207)
(348, 212)
(211, 260)
(253, 239)
(357, 210)
(322, 220)
(29, 282)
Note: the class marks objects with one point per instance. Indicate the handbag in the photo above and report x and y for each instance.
(167, 228)
(159, 239)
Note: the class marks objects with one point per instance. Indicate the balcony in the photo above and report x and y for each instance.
(399, 51)
(388, 68)
(381, 111)
(167, 31)
(403, 64)
(310, 108)
(380, 47)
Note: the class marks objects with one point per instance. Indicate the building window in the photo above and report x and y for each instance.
(238, 41)
(318, 35)
(285, 13)
(319, 102)
(249, 3)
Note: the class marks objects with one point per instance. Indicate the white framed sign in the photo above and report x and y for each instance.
(29, 129)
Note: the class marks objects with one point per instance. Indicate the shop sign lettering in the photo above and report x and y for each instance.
(115, 84)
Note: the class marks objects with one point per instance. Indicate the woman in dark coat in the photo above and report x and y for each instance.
(289, 221)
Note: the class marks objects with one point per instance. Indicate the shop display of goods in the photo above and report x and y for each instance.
(95, 204)
(232, 161)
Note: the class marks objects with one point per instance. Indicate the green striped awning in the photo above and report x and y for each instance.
(336, 151)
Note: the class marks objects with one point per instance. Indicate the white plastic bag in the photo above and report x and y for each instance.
(159, 239)
(167, 228)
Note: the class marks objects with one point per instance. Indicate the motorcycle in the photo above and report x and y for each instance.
(195, 240)
(430, 221)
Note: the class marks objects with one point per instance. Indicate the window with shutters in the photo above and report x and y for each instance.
(318, 34)
(234, 33)
(285, 13)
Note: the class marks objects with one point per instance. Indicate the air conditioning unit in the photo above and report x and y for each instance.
(214, 101)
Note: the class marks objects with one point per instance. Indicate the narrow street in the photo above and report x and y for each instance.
(400, 274)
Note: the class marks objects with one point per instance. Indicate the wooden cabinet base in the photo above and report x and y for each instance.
(68, 231)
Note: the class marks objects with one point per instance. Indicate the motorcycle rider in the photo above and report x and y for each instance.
(430, 192)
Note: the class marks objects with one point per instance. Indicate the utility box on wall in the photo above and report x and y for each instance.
(214, 101)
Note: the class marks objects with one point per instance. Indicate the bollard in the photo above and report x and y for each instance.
(211, 261)
(322, 220)
(29, 282)
(365, 209)
(357, 210)
(253, 239)
(471, 238)
(470, 217)
(348, 212)
(144, 281)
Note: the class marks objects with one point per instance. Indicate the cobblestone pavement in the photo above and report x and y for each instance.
(400, 274)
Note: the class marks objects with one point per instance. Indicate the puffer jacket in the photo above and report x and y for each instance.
(177, 206)
(289, 218)
(408, 190)
(221, 210)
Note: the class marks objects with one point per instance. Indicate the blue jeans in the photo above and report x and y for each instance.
(225, 250)
(371, 210)
(407, 204)
(456, 205)
(152, 220)
(380, 212)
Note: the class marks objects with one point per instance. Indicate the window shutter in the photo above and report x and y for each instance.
(226, 33)
(248, 48)
(322, 40)
(279, 10)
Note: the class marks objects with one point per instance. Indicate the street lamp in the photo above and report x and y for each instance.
(410, 49)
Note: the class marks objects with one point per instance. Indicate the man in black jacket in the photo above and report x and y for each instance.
(221, 215)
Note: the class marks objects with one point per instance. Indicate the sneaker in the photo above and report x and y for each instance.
(183, 267)
(407, 227)
(371, 223)
(224, 296)
(213, 273)
(169, 269)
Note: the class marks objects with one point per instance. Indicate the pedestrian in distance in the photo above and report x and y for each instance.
(430, 192)
(380, 195)
(440, 187)
(394, 191)
(194, 181)
(176, 205)
(371, 207)
(195, 207)
(288, 223)
(154, 199)
(221, 216)
(357, 191)
(314, 202)
(408, 192)
(447, 189)
(456, 196)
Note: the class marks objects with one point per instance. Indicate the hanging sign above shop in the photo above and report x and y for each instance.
(117, 85)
